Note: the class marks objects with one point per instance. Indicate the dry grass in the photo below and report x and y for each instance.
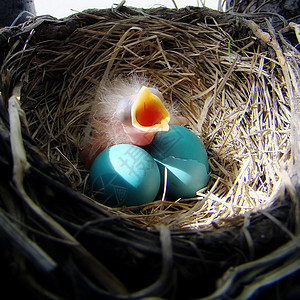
(232, 92)
(241, 97)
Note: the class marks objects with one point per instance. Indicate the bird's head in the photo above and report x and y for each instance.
(148, 112)
(143, 115)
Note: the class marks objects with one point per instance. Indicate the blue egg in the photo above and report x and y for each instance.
(124, 175)
(182, 154)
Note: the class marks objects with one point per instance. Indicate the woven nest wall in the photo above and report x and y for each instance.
(234, 79)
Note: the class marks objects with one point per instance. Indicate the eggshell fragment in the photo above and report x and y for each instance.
(184, 176)
(184, 156)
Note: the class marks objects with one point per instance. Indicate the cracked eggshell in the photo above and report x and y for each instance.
(183, 155)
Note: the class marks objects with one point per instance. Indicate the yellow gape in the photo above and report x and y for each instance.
(148, 113)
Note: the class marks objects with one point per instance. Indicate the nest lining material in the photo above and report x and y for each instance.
(233, 93)
(55, 240)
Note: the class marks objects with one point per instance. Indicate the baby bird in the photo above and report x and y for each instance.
(126, 112)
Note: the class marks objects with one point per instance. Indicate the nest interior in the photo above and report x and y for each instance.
(232, 92)
(234, 80)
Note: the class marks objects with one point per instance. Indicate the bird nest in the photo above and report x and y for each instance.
(234, 79)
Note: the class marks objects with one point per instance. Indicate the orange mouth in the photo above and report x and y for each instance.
(148, 113)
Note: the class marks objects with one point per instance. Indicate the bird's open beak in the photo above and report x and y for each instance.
(148, 114)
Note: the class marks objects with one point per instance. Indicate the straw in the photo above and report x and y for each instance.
(233, 93)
